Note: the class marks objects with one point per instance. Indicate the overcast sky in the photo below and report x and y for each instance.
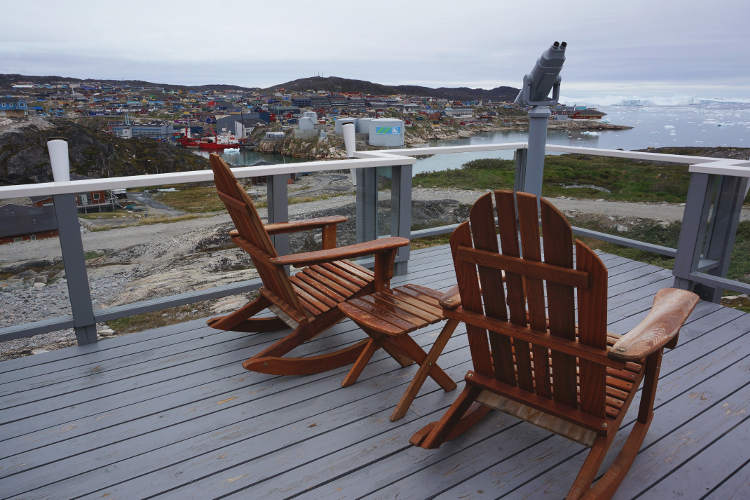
(633, 47)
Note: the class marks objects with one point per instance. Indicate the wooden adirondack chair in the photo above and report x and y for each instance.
(308, 300)
(575, 380)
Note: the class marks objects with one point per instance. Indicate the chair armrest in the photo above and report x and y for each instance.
(670, 310)
(451, 299)
(303, 225)
(348, 252)
(298, 225)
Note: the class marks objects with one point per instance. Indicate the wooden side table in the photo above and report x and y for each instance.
(388, 317)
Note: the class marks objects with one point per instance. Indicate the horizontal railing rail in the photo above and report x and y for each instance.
(709, 169)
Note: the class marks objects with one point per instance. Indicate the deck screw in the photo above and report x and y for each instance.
(265, 364)
(469, 374)
(604, 424)
(449, 300)
(621, 349)
(430, 364)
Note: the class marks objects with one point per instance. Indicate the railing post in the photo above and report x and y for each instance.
(367, 204)
(401, 213)
(519, 183)
(707, 241)
(278, 209)
(693, 229)
(74, 260)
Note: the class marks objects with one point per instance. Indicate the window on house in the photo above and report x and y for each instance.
(33, 237)
(96, 196)
(17, 239)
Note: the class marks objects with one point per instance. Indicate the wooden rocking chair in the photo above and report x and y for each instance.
(308, 300)
(575, 380)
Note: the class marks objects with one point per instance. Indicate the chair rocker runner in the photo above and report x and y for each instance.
(308, 300)
(538, 365)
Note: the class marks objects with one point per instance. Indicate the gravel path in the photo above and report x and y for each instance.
(133, 235)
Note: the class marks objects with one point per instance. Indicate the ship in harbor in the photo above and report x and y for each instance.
(220, 142)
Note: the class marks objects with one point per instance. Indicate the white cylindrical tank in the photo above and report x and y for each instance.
(341, 121)
(311, 114)
(306, 123)
(363, 126)
(386, 132)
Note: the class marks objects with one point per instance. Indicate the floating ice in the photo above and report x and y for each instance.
(655, 133)
(668, 126)
(590, 133)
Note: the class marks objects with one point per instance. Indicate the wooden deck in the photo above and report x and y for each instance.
(170, 413)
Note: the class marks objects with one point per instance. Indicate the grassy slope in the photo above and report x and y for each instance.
(617, 179)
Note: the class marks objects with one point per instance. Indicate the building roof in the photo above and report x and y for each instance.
(16, 220)
(11, 99)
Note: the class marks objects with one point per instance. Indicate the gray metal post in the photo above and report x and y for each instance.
(519, 183)
(730, 193)
(538, 117)
(693, 229)
(401, 213)
(367, 204)
(278, 209)
(74, 261)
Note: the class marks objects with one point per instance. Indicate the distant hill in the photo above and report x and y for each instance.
(329, 84)
(337, 84)
(7, 79)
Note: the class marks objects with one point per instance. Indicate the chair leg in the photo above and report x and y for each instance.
(425, 368)
(450, 420)
(302, 334)
(306, 365)
(239, 316)
(360, 364)
(590, 466)
(605, 488)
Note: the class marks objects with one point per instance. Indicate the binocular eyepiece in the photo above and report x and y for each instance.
(545, 75)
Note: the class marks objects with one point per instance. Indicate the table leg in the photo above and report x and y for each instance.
(424, 370)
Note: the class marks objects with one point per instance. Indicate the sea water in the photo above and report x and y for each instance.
(685, 124)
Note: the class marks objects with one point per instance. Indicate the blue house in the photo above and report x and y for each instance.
(13, 106)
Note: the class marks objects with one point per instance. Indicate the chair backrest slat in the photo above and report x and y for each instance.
(555, 373)
(471, 300)
(592, 328)
(558, 251)
(482, 219)
(250, 227)
(508, 228)
(528, 221)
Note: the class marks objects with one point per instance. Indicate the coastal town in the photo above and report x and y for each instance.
(216, 119)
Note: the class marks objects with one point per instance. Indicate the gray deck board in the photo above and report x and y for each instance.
(170, 413)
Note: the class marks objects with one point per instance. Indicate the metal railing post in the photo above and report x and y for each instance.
(401, 213)
(367, 204)
(74, 261)
(708, 243)
(278, 209)
(519, 182)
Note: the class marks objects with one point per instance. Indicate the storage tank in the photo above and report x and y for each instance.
(306, 123)
(363, 126)
(386, 132)
(341, 121)
(312, 115)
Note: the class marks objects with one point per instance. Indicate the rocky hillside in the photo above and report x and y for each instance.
(337, 84)
(24, 157)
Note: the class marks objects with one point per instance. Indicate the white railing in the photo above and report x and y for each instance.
(697, 254)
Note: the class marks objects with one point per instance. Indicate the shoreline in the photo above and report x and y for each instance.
(332, 148)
